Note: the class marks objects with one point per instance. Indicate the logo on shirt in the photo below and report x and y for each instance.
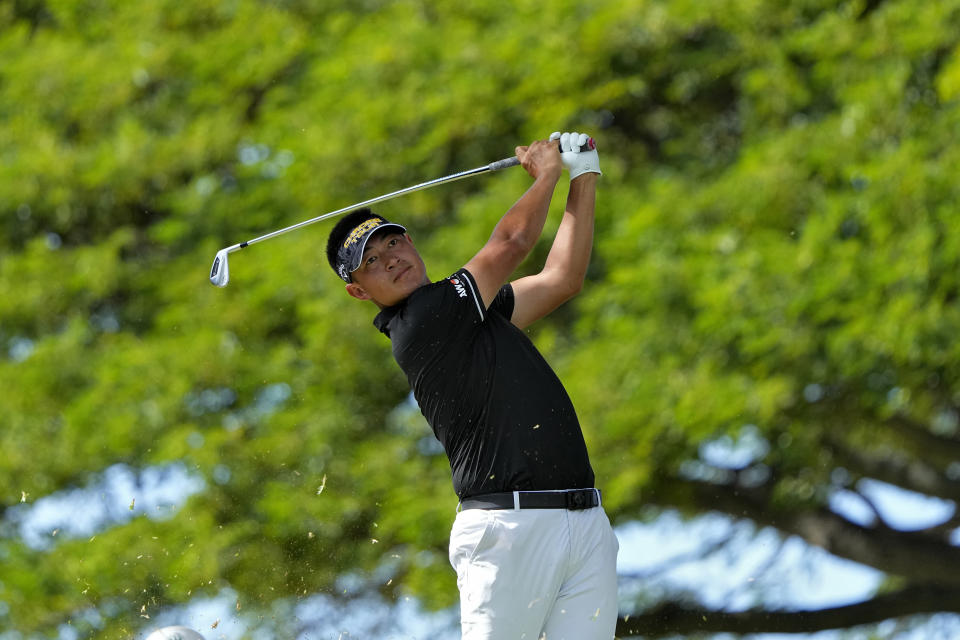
(461, 291)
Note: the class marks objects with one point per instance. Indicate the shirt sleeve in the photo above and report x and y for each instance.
(466, 287)
(503, 302)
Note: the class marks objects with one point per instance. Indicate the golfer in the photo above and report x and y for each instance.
(534, 552)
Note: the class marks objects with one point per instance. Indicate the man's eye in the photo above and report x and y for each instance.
(371, 260)
(393, 241)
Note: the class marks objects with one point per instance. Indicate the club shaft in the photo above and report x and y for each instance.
(493, 166)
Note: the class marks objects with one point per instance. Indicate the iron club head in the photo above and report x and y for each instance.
(220, 271)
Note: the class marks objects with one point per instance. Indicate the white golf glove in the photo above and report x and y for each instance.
(578, 152)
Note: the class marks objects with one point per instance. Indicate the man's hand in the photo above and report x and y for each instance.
(541, 159)
(576, 153)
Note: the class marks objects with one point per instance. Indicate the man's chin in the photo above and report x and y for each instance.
(401, 292)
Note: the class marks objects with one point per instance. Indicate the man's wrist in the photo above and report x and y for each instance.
(586, 179)
(552, 177)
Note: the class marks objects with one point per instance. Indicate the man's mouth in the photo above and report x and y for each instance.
(402, 272)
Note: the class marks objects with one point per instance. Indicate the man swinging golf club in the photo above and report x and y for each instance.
(534, 552)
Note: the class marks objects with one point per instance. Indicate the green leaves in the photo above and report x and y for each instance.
(775, 248)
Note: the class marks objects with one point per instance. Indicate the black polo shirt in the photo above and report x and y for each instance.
(502, 415)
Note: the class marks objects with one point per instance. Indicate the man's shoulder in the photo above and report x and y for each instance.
(460, 289)
(457, 287)
(448, 301)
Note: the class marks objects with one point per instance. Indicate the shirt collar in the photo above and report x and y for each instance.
(386, 315)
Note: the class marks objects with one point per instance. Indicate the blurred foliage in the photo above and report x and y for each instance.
(776, 247)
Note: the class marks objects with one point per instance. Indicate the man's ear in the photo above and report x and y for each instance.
(358, 292)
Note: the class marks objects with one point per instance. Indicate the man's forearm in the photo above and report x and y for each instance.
(569, 255)
(524, 221)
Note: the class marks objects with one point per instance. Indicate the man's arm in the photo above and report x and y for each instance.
(564, 271)
(519, 229)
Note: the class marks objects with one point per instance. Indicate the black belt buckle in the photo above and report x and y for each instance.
(577, 500)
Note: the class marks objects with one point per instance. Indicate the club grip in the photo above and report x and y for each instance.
(512, 162)
(503, 164)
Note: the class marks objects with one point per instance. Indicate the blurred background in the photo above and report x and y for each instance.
(764, 358)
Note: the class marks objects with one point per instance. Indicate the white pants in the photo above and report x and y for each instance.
(535, 574)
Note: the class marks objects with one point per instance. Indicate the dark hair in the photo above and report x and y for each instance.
(339, 232)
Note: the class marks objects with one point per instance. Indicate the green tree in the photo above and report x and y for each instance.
(775, 252)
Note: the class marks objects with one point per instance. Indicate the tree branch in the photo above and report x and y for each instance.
(679, 560)
(910, 473)
(671, 619)
(939, 451)
(256, 93)
(915, 556)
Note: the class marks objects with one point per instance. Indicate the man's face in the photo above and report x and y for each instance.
(390, 271)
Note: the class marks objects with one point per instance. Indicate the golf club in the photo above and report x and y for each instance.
(220, 272)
